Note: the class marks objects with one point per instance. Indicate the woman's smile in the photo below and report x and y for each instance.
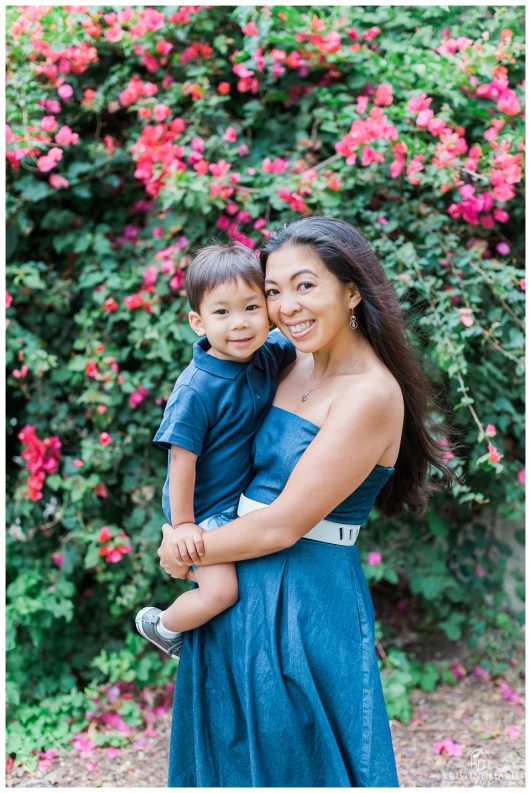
(299, 329)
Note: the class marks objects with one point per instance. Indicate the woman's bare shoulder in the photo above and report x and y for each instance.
(377, 391)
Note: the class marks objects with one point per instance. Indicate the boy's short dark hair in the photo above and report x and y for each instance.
(216, 264)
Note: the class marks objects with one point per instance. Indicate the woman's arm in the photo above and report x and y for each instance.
(358, 429)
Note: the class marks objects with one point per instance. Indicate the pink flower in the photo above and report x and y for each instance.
(45, 164)
(483, 674)
(9, 299)
(104, 534)
(480, 572)
(48, 123)
(521, 476)
(513, 732)
(58, 182)
(490, 430)
(105, 438)
(230, 135)
(78, 463)
(494, 455)
(113, 556)
(449, 747)
(18, 373)
(161, 112)
(65, 137)
(163, 47)
(384, 94)
(361, 103)
(424, 118)
(250, 29)
(503, 248)
(138, 396)
(58, 559)
(65, 91)
(375, 557)
(458, 670)
(522, 284)
(418, 103)
(466, 316)
(113, 751)
(82, 743)
(177, 281)
(501, 215)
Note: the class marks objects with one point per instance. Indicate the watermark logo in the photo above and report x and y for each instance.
(480, 761)
(482, 771)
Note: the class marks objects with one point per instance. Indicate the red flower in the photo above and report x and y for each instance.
(101, 491)
(104, 534)
(105, 438)
(494, 455)
(110, 305)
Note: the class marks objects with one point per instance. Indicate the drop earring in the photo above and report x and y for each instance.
(353, 321)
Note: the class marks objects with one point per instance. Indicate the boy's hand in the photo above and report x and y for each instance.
(167, 554)
(188, 543)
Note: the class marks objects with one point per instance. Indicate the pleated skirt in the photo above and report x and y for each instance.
(283, 689)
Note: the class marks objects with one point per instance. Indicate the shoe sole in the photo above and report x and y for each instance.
(138, 623)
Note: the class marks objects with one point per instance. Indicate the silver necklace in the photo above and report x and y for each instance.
(307, 394)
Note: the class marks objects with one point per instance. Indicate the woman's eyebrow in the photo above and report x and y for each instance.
(295, 275)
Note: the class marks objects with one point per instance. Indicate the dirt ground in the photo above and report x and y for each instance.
(472, 713)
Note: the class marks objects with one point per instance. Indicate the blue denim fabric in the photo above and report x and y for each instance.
(283, 689)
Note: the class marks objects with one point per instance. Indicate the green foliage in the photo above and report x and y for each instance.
(95, 267)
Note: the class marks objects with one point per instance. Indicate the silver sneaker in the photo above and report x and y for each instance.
(147, 621)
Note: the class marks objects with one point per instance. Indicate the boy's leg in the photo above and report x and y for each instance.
(217, 591)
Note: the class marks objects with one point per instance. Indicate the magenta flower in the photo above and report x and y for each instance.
(375, 557)
(65, 91)
(449, 747)
(521, 476)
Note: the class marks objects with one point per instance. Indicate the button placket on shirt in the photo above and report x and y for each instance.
(253, 376)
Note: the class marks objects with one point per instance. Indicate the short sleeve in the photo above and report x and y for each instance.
(185, 421)
(282, 350)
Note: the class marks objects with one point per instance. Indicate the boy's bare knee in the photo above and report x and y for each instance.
(221, 598)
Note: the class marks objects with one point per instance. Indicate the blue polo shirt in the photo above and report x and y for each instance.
(214, 411)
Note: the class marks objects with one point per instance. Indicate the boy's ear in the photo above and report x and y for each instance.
(196, 323)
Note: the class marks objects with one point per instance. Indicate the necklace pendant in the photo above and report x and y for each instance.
(305, 396)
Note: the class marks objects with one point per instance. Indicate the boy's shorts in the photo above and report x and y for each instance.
(215, 521)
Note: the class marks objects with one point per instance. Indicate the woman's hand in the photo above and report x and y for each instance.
(168, 552)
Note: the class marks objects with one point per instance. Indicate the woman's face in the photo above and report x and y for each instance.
(305, 300)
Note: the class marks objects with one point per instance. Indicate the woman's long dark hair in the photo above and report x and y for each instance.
(347, 254)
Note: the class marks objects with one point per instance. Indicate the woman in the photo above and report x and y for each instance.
(283, 689)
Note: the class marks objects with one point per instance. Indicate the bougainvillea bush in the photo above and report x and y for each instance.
(135, 135)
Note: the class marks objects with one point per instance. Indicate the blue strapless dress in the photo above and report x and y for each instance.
(283, 689)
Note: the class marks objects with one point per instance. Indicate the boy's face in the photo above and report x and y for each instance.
(233, 316)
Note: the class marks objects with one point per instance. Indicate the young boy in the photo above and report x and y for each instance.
(210, 420)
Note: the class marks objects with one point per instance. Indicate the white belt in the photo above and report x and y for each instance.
(324, 531)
